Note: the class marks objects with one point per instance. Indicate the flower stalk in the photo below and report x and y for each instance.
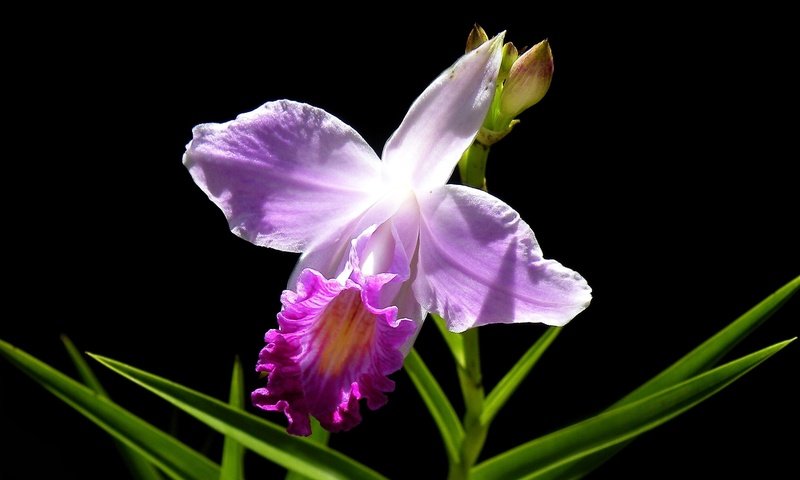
(472, 169)
(471, 381)
(472, 166)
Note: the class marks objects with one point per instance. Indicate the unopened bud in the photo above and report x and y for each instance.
(510, 56)
(477, 37)
(528, 80)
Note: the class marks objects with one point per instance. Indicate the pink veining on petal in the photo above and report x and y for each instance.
(333, 348)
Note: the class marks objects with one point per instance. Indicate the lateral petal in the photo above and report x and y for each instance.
(285, 174)
(479, 263)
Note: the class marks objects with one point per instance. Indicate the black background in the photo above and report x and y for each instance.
(658, 166)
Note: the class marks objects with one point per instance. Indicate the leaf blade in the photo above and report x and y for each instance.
(713, 349)
(86, 373)
(318, 435)
(171, 456)
(454, 341)
(255, 433)
(438, 404)
(699, 359)
(138, 465)
(534, 459)
(232, 466)
(509, 383)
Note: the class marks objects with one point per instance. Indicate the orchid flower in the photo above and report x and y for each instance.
(383, 241)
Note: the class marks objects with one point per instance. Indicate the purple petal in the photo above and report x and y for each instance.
(405, 228)
(333, 348)
(443, 121)
(286, 174)
(479, 263)
(329, 256)
(408, 307)
(389, 246)
(392, 247)
(396, 242)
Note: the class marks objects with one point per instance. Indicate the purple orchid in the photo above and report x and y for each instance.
(383, 241)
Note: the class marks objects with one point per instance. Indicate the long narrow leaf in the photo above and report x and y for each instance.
(509, 383)
(534, 459)
(712, 350)
(85, 372)
(453, 340)
(698, 360)
(318, 435)
(170, 455)
(442, 411)
(138, 465)
(260, 436)
(232, 467)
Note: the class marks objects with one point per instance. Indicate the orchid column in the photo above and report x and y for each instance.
(383, 241)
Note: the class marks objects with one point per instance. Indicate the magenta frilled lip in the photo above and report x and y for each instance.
(333, 347)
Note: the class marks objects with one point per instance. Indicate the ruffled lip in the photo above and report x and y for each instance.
(333, 348)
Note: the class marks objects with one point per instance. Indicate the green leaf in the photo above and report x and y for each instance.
(712, 350)
(170, 455)
(260, 436)
(442, 411)
(232, 467)
(533, 460)
(85, 372)
(698, 360)
(454, 341)
(318, 435)
(138, 465)
(509, 383)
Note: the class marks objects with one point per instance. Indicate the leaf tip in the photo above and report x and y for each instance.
(97, 357)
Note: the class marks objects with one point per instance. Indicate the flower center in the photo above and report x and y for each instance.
(344, 331)
(379, 251)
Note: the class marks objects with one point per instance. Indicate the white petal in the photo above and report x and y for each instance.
(443, 121)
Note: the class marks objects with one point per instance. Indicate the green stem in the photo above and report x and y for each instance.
(470, 378)
(472, 166)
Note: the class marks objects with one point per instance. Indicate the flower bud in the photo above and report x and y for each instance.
(528, 80)
(477, 37)
(510, 56)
